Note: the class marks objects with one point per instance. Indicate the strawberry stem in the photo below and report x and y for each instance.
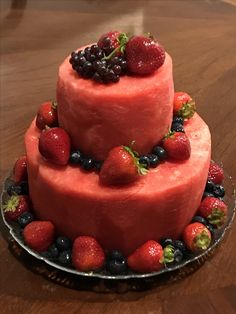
(122, 39)
(202, 240)
(217, 217)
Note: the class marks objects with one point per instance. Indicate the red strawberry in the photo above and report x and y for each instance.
(121, 167)
(184, 106)
(177, 145)
(20, 169)
(87, 254)
(216, 173)
(144, 55)
(109, 41)
(39, 235)
(196, 237)
(47, 115)
(54, 145)
(15, 206)
(147, 258)
(214, 210)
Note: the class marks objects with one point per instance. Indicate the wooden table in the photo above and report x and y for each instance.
(200, 36)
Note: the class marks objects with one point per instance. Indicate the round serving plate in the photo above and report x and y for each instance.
(103, 281)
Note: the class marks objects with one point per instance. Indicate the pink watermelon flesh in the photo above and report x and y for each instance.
(158, 205)
(99, 117)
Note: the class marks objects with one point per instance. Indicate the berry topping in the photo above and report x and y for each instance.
(20, 170)
(25, 218)
(87, 254)
(184, 106)
(15, 206)
(177, 145)
(63, 243)
(116, 263)
(147, 258)
(108, 42)
(215, 173)
(39, 235)
(214, 210)
(160, 152)
(47, 115)
(197, 237)
(144, 55)
(64, 257)
(54, 145)
(121, 167)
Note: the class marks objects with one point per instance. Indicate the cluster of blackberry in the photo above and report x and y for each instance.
(93, 63)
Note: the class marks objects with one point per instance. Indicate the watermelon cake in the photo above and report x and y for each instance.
(118, 169)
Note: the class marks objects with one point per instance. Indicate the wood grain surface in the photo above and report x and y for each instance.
(201, 37)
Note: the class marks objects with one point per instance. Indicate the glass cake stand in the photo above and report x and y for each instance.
(102, 281)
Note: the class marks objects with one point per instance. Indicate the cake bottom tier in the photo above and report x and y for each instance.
(158, 205)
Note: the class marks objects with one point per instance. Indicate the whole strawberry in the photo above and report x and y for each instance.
(144, 55)
(147, 258)
(47, 115)
(215, 173)
(184, 106)
(87, 254)
(55, 145)
(20, 170)
(39, 235)
(109, 41)
(196, 237)
(121, 167)
(177, 145)
(214, 210)
(15, 206)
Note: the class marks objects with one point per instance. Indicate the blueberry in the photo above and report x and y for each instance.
(98, 164)
(24, 188)
(154, 160)
(178, 255)
(115, 255)
(76, 157)
(177, 127)
(160, 152)
(178, 120)
(13, 189)
(199, 219)
(53, 251)
(116, 267)
(144, 160)
(25, 218)
(63, 243)
(219, 191)
(209, 186)
(166, 241)
(211, 228)
(87, 163)
(65, 257)
(207, 194)
(178, 244)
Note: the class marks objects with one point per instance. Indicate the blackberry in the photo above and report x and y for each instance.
(93, 63)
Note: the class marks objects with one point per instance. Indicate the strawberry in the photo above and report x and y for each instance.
(184, 106)
(196, 237)
(87, 254)
(15, 206)
(214, 210)
(177, 145)
(216, 173)
(20, 170)
(144, 55)
(39, 235)
(147, 258)
(47, 115)
(54, 145)
(121, 167)
(109, 41)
